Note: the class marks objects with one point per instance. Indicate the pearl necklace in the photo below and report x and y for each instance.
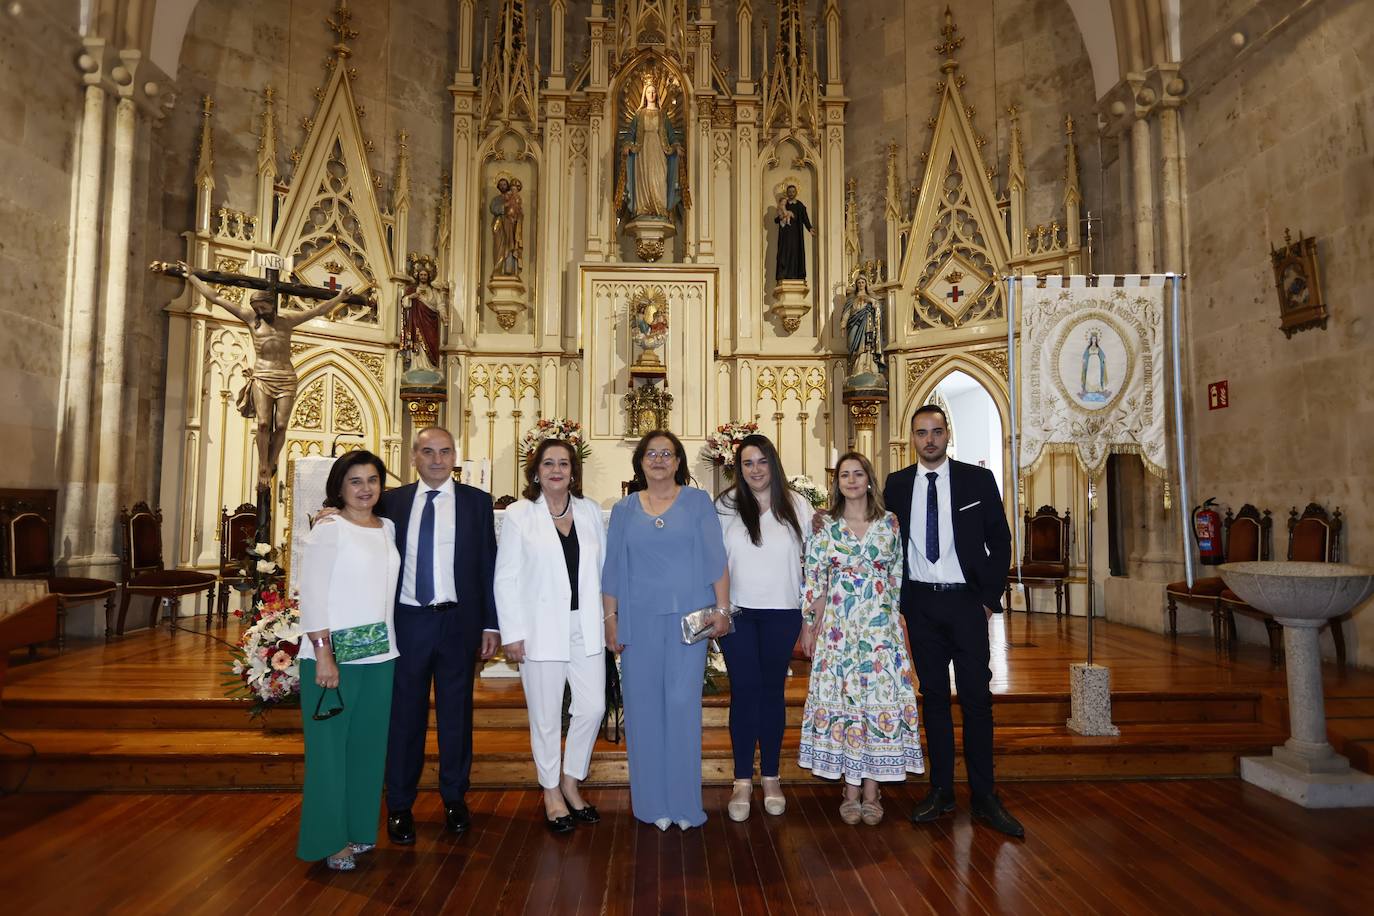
(562, 515)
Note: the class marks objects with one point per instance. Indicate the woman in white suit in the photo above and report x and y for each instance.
(548, 599)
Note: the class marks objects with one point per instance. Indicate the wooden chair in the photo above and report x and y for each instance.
(1247, 537)
(27, 519)
(28, 616)
(1046, 560)
(237, 533)
(141, 531)
(1313, 537)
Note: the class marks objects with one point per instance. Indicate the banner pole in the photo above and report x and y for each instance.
(1184, 491)
(1015, 449)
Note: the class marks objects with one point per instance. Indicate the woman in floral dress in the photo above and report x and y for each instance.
(860, 718)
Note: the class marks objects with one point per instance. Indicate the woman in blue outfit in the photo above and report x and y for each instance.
(664, 559)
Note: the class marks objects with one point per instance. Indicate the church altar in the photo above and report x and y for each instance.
(629, 240)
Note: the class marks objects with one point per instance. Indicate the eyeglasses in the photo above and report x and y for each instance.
(665, 454)
(328, 713)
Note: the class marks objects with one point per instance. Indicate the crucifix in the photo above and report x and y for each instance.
(270, 392)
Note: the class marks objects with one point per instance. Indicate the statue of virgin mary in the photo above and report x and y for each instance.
(650, 179)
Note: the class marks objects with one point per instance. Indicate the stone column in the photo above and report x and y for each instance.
(104, 502)
(1142, 169)
(74, 425)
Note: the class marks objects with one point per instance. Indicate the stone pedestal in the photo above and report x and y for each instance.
(1090, 688)
(865, 407)
(651, 235)
(507, 299)
(1305, 769)
(791, 302)
(422, 405)
(499, 667)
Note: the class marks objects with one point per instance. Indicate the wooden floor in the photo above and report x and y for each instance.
(148, 712)
(1210, 846)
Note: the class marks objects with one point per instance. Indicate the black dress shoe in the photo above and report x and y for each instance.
(559, 826)
(457, 818)
(938, 802)
(400, 827)
(587, 815)
(989, 810)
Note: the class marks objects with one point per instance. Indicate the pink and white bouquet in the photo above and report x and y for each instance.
(720, 445)
(264, 662)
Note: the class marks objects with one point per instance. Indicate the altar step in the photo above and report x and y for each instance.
(503, 706)
(85, 759)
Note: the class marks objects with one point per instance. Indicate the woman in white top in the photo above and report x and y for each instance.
(548, 600)
(763, 523)
(348, 576)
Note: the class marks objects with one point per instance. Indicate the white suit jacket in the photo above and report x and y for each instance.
(532, 590)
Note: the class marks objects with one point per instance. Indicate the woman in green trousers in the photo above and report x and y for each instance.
(348, 578)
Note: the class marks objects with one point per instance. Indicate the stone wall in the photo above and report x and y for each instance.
(1279, 137)
(1026, 53)
(405, 58)
(40, 106)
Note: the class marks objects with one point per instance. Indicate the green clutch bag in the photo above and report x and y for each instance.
(360, 642)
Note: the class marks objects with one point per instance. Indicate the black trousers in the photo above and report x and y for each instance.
(438, 647)
(949, 627)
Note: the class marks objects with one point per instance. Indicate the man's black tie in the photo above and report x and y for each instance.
(932, 518)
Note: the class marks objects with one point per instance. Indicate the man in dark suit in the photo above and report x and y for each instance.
(957, 549)
(445, 619)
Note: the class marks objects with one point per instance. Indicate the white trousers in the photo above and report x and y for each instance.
(543, 682)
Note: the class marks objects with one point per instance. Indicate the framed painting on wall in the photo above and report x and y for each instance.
(1298, 280)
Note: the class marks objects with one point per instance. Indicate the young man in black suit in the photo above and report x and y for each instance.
(957, 549)
(445, 620)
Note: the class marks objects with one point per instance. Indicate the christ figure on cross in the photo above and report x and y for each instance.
(270, 392)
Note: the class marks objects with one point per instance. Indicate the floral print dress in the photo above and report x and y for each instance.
(860, 718)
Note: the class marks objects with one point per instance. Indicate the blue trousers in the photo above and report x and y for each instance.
(756, 657)
(438, 647)
(661, 681)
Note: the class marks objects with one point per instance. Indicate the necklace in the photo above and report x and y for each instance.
(566, 506)
(658, 519)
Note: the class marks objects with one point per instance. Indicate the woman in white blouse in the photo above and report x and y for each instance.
(348, 589)
(764, 524)
(548, 600)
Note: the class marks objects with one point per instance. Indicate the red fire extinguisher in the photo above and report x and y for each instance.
(1207, 531)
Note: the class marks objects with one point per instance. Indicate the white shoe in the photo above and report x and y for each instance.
(738, 807)
(684, 826)
(773, 804)
(663, 823)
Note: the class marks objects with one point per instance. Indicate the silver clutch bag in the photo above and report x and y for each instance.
(697, 625)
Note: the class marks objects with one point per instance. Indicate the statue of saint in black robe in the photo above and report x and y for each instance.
(792, 223)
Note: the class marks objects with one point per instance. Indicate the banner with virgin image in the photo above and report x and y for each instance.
(1092, 371)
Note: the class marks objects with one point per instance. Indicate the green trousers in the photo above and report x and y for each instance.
(345, 757)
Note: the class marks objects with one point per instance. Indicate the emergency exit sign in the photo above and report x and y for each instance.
(1217, 398)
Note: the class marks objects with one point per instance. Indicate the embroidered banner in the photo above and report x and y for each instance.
(1092, 372)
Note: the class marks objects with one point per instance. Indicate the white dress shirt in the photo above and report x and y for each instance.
(769, 574)
(445, 528)
(947, 568)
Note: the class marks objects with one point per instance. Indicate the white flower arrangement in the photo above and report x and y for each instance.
(569, 431)
(809, 490)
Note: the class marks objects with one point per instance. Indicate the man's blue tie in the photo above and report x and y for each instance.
(424, 553)
(932, 518)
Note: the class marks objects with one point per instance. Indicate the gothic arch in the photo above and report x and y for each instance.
(991, 381)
